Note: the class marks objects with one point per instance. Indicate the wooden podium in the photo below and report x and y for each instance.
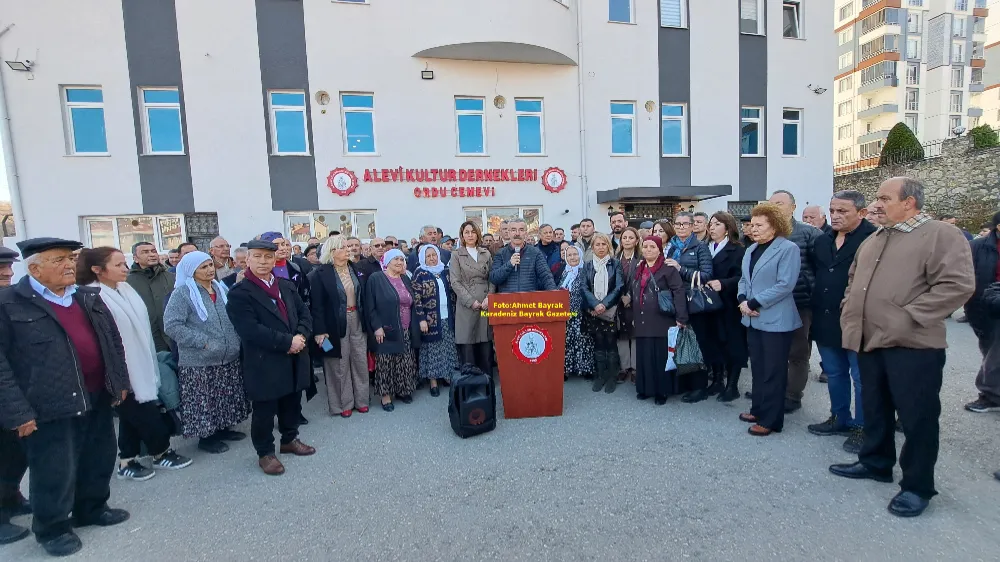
(529, 332)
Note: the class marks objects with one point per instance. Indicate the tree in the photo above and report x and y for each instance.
(900, 146)
(984, 136)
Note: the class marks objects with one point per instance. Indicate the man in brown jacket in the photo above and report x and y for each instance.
(907, 278)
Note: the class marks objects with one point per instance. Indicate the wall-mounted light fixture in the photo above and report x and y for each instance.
(20, 66)
(818, 90)
(427, 74)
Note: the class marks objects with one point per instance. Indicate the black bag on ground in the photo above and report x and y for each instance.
(472, 405)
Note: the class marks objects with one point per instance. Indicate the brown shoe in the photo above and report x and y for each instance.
(271, 465)
(297, 448)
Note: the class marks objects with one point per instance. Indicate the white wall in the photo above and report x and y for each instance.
(83, 45)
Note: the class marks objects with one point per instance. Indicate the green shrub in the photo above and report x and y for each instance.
(900, 146)
(984, 136)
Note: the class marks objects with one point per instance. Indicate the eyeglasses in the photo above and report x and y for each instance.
(378, 245)
(682, 224)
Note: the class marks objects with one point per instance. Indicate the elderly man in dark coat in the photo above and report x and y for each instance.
(13, 463)
(62, 368)
(274, 325)
(519, 267)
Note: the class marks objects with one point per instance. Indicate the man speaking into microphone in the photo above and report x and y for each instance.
(519, 268)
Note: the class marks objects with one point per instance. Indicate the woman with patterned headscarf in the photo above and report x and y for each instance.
(434, 306)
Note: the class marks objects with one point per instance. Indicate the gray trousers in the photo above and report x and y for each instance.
(988, 378)
(347, 377)
(798, 358)
(626, 353)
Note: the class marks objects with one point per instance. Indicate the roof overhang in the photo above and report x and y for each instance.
(497, 51)
(671, 193)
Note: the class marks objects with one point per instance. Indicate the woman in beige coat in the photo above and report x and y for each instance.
(470, 271)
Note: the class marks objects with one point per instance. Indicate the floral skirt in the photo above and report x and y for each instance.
(212, 398)
(439, 359)
(395, 373)
(579, 349)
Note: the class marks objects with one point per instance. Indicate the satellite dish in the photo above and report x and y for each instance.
(958, 130)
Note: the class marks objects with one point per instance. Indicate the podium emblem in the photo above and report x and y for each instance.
(531, 345)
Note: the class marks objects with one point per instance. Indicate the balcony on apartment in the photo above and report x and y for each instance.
(981, 8)
(548, 36)
(886, 20)
(879, 75)
(873, 136)
(884, 45)
(877, 110)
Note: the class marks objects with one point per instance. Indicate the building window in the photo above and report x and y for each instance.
(530, 127)
(620, 11)
(871, 150)
(359, 122)
(791, 122)
(844, 108)
(961, 5)
(911, 121)
(976, 76)
(673, 13)
(289, 135)
(913, 22)
(916, 3)
(301, 226)
(166, 232)
(752, 16)
(955, 102)
(973, 122)
(845, 36)
(912, 100)
(751, 131)
(85, 132)
(958, 26)
(844, 132)
(843, 155)
(623, 128)
(488, 219)
(913, 47)
(846, 59)
(846, 11)
(791, 14)
(958, 52)
(470, 125)
(912, 73)
(957, 77)
(673, 123)
(845, 84)
(161, 121)
(954, 123)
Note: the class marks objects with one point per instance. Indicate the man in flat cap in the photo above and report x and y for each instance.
(62, 369)
(274, 325)
(13, 463)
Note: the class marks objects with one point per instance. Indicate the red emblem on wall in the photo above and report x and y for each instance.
(554, 180)
(531, 345)
(342, 181)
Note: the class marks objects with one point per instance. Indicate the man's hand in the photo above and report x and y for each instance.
(483, 305)
(477, 305)
(298, 344)
(26, 429)
(379, 335)
(320, 338)
(515, 259)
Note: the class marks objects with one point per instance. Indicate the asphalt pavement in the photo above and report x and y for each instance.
(612, 479)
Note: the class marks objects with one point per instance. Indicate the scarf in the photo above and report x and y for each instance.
(716, 247)
(132, 319)
(435, 269)
(601, 276)
(273, 291)
(185, 278)
(677, 246)
(388, 257)
(645, 271)
(569, 275)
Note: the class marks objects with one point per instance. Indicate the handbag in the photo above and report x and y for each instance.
(688, 354)
(664, 300)
(701, 298)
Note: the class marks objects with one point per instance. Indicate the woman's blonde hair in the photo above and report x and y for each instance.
(607, 240)
(332, 244)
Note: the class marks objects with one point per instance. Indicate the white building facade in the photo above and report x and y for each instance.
(182, 119)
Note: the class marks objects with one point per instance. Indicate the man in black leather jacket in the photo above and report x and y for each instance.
(805, 236)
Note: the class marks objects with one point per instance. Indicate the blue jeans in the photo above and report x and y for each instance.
(841, 367)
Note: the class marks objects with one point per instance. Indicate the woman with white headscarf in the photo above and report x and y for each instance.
(602, 291)
(434, 306)
(211, 383)
(395, 334)
(579, 345)
(139, 418)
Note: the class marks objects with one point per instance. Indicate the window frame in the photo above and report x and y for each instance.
(916, 80)
(517, 123)
(849, 6)
(631, 12)
(484, 216)
(683, 119)
(343, 123)
(633, 140)
(799, 132)
(952, 120)
(761, 20)
(310, 218)
(916, 99)
(845, 84)
(846, 103)
(796, 6)
(919, 47)
(682, 5)
(458, 135)
(958, 48)
(916, 121)
(70, 126)
(761, 131)
(959, 27)
(144, 107)
(849, 127)
(958, 71)
(849, 57)
(86, 222)
(951, 101)
(273, 111)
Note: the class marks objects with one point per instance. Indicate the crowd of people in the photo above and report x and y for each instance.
(193, 344)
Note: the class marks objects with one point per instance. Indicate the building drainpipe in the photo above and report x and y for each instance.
(585, 195)
(6, 139)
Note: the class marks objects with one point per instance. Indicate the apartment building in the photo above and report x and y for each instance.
(920, 62)
(171, 120)
(989, 99)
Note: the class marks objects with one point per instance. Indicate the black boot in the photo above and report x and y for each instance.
(732, 391)
(718, 374)
(700, 392)
(600, 366)
(10, 532)
(613, 366)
